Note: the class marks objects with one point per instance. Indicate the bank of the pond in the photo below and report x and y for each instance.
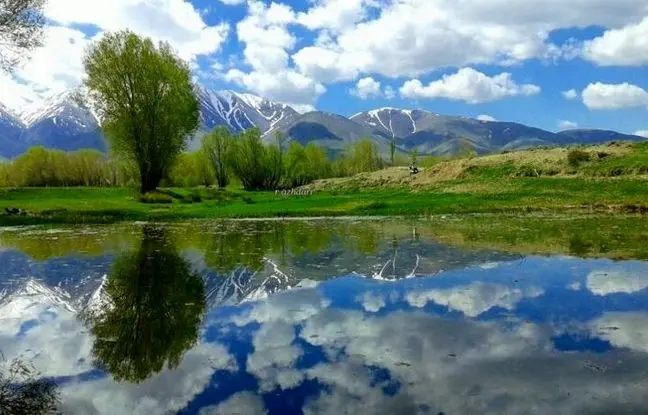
(108, 205)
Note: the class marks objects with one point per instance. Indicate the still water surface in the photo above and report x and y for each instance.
(334, 316)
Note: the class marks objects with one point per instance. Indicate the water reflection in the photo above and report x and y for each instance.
(334, 317)
(153, 305)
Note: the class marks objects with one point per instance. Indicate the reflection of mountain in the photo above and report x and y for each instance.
(241, 261)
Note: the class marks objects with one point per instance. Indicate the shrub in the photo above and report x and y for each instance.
(576, 157)
(195, 197)
(156, 198)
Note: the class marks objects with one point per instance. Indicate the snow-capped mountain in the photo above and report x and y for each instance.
(63, 123)
(238, 111)
(392, 122)
(11, 127)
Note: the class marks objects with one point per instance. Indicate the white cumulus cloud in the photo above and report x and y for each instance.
(570, 94)
(58, 64)
(614, 96)
(641, 133)
(623, 46)
(367, 88)
(267, 41)
(412, 37)
(468, 85)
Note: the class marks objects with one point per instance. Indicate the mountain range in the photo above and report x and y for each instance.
(62, 123)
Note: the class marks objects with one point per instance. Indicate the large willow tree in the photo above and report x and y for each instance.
(144, 97)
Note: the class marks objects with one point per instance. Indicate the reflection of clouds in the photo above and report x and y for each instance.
(473, 299)
(629, 330)
(450, 365)
(242, 403)
(274, 356)
(285, 307)
(38, 324)
(371, 302)
(168, 391)
(350, 392)
(461, 367)
(51, 337)
(616, 281)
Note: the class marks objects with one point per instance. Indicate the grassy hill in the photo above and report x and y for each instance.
(495, 173)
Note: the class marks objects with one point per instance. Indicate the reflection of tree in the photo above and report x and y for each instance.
(22, 392)
(42, 246)
(157, 306)
(229, 245)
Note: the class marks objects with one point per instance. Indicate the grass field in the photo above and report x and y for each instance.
(613, 179)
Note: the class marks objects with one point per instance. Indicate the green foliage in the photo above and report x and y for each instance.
(414, 156)
(217, 147)
(317, 161)
(40, 167)
(362, 156)
(258, 167)
(155, 197)
(158, 304)
(190, 170)
(576, 157)
(298, 168)
(145, 97)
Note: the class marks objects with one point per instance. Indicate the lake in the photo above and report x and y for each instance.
(452, 315)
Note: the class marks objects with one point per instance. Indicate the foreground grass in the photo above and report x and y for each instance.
(469, 195)
(606, 179)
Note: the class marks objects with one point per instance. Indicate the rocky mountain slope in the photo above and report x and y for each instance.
(65, 124)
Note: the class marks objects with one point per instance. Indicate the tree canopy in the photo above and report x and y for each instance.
(21, 30)
(145, 99)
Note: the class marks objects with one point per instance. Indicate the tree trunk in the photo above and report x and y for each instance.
(149, 181)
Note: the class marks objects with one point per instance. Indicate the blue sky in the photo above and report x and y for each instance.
(512, 60)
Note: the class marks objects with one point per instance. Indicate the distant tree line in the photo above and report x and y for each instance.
(223, 159)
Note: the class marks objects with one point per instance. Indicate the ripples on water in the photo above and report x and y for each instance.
(333, 317)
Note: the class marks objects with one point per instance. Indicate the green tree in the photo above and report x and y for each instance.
(317, 160)
(363, 156)
(216, 146)
(190, 170)
(248, 159)
(157, 308)
(392, 150)
(257, 166)
(414, 156)
(145, 98)
(21, 30)
(297, 168)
